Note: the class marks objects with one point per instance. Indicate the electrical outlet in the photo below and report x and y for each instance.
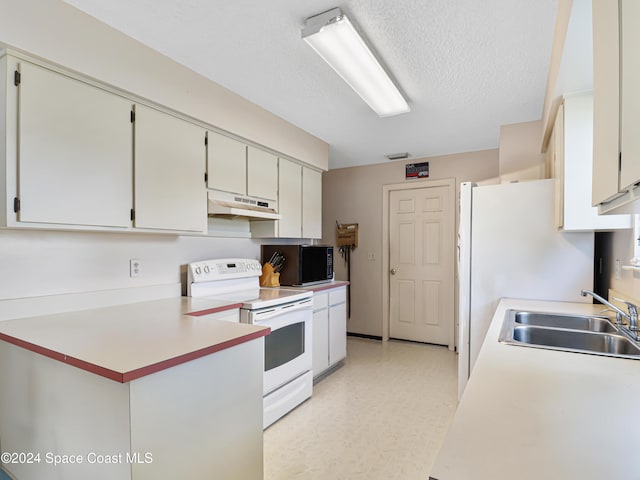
(618, 272)
(371, 256)
(134, 267)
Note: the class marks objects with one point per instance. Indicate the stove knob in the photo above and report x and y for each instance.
(198, 271)
(206, 269)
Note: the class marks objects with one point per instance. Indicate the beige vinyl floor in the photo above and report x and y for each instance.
(381, 416)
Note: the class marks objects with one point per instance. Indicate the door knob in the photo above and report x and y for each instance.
(393, 271)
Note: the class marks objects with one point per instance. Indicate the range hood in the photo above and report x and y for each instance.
(232, 205)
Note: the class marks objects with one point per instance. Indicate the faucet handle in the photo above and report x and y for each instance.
(633, 308)
(633, 313)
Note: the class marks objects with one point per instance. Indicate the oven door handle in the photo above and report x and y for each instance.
(294, 307)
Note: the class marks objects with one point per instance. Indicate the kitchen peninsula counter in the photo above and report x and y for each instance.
(169, 388)
(530, 413)
(125, 342)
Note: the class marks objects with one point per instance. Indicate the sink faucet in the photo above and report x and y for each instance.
(632, 316)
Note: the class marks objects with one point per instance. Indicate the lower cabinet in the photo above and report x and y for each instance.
(329, 329)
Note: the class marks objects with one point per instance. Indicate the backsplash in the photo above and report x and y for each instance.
(37, 263)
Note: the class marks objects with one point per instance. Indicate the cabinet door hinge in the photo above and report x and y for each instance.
(133, 214)
(16, 204)
(619, 161)
(16, 78)
(206, 177)
(206, 140)
(133, 116)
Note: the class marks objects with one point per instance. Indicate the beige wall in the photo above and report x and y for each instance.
(61, 34)
(354, 195)
(520, 149)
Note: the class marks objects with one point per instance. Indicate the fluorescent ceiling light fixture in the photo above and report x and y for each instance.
(334, 38)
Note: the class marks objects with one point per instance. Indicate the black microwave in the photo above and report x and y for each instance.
(304, 264)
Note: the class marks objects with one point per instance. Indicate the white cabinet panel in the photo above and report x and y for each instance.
(320, 340)
(75, 151)
(337, 295)
(169, 173)
(262, 174)
(329, 329)
(630, 93)
(311, 203)
(573, 153)
(337, 324)
(337, 332)
(226, 164)
(606, 99)
(289, 199)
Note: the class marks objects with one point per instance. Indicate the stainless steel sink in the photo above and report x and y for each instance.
(573, 322)
(571, 333)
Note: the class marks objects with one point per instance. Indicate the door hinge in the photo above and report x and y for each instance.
(206, 140)
(16, 78)
(133, 214)
(133, 116)
(16, 204)
(206, 177)
(619, 161)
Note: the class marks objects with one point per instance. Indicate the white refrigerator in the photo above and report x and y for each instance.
(509, 247)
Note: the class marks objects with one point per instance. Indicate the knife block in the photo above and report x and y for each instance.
(269, 278)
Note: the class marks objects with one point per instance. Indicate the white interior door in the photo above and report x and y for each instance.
(421, 238)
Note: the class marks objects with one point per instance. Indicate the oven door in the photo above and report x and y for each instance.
(287, 349)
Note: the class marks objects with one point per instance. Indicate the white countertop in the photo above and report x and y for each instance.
(318, 287)
(126, 342)
(530, 413)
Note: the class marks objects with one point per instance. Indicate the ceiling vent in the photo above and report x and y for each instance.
(398, 156)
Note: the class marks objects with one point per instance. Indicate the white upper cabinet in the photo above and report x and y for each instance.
(299, 202)
(630, 93)
(616, 161)
(262, 174)
(311, 203)
(572, 151)
(290, 199)
(226, 164)
(606, 99)
(234, 167)
(74, 143)
(169, 161)
(79, 154)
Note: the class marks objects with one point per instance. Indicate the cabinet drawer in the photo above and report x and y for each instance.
(337, 295)
(320, 301)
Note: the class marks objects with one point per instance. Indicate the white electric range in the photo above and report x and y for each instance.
(288, 379)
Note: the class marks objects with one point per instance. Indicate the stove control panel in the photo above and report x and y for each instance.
(223, 269)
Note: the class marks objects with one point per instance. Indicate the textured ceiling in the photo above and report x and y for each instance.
(466, 66)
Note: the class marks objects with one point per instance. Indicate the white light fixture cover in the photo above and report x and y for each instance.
(334, 38)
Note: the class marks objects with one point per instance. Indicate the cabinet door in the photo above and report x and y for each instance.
(262, 174)
(337, 332)
(630, 93)
(606, 100)
(320, 341)
(290, 199)
(75, 151)
(169, 163)
(311, 203)
(575, 124)
(557, 146)
(226, 164)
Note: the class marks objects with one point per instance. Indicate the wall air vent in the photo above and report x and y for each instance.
(398, 156)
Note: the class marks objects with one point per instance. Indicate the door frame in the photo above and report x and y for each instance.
(386, 192)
